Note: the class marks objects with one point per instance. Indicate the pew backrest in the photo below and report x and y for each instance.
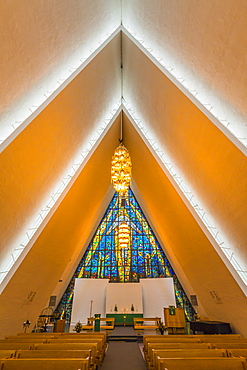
(71, 346)
(203, 363)
(53, 353)
(227, 345)
(224, 340)
(237, 352)
(45, 364)
(16, 345)
(97, 341)
(30, 335)
(24, 340)
(184, 346)
(168, 339)
(179, 353)
(7, 353)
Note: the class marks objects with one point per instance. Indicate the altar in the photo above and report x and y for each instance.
(122, 301)
(124, 319)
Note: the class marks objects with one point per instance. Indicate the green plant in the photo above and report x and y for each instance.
(78, 327)
(161, 327)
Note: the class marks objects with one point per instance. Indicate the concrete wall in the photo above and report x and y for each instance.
(205, 39)
(41, 39)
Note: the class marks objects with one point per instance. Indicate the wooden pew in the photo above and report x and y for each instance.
(237, 352)
(45, 364)
(200, 337)
(16, 345)
(83, 336)
(167, 339)
(180, 353)
(227, 345)
(98, 341)
(7, 353)
(90, 324)
(217, 337)
(48, 336)
(58, 335)
(95, 360)
(23, 340)
(203, 363)
(98, 338)
(232, 336)
(139, 322)
(30, 335)
(184, 346)
(224, 340)
(53, 353)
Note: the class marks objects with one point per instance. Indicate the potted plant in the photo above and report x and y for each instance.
(78, 327)
(161, 327)
(115, 308)
(132, 308)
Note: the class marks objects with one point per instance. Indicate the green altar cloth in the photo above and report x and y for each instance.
(124, 318)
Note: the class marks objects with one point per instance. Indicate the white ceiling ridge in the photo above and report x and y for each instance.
(230, 123)
(23, 113)
(20, 248)
(205, 221)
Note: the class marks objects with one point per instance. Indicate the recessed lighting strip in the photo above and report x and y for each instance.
(223, 249)
(41, 218)
(37, 99)
(230, 123)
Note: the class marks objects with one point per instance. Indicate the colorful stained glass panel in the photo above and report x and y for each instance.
(124, 249)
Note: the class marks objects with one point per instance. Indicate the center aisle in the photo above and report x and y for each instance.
(123, 356)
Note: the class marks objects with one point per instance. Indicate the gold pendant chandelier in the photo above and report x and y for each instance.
(121, 169)
(124, 235)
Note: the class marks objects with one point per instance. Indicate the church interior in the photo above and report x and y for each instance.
(165, 78)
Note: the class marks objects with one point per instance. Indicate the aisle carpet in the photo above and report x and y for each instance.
(123, 356)
(123, 330)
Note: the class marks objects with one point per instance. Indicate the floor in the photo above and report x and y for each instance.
(123, 356)
(124, 349)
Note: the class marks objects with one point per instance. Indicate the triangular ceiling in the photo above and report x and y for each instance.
(38, 156)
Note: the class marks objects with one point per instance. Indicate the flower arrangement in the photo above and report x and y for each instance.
(161, 327)
(78, 327)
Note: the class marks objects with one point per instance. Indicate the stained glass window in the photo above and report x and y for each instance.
(124, 249)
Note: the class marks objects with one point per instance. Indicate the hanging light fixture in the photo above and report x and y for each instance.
(124, 235)
(121, 169)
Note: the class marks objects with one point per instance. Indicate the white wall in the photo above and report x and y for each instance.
(87, 290)
(124, 295)
(149, 297)
(157, 294)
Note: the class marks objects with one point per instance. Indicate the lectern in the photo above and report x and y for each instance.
(175, 320)
(60, 326)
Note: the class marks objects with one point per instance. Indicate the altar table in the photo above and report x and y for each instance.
(124, 318)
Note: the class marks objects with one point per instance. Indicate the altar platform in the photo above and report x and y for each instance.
(128, 334)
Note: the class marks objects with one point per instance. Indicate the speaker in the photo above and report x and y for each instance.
(193, 299)
(52, 302)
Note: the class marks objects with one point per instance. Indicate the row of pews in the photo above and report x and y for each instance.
(52, 351)
(198, 352)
